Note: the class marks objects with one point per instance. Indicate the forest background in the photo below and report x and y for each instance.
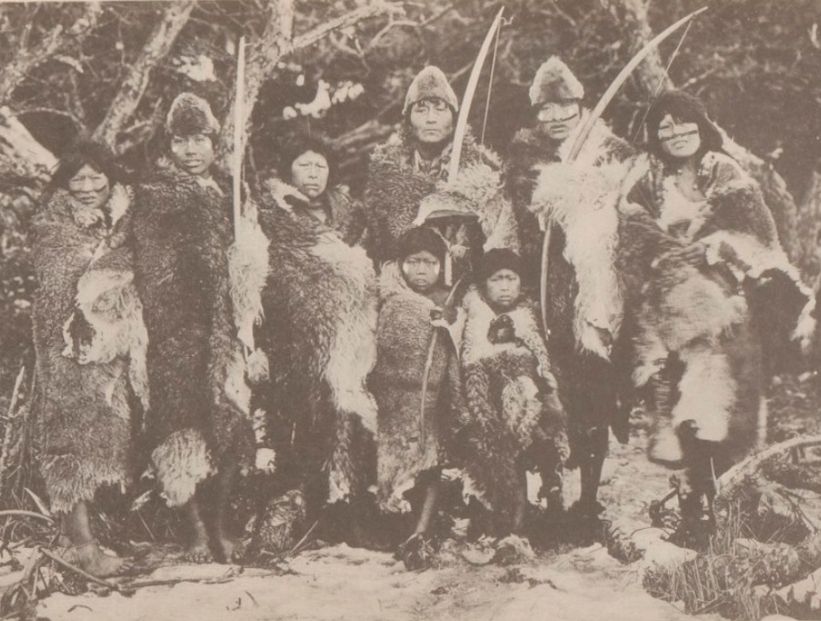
(341, 68)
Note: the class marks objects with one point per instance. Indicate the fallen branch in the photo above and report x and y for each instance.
(24, 513)
(10, 417)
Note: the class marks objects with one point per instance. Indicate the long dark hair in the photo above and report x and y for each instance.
(302, 144)
(683, 108)
(80, 153)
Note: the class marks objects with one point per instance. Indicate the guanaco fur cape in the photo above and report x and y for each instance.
(85, 378)
(514, 416)
(715, 319)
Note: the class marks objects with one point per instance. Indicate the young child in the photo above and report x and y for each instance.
(411, 437)
(515, 420)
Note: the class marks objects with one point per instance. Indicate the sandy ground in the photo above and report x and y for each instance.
(344, 583)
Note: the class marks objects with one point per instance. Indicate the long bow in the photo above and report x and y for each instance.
(239, 127)
(587, 127)
(459, 134)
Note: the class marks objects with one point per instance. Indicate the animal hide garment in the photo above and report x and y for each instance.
(514, 417)
(82, 412)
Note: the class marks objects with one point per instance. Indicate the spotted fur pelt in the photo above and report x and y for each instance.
(407, 445)
(180, 234)
(319, 304)
(83, 412)
(514, 416)
(714, 316)
(394, 190)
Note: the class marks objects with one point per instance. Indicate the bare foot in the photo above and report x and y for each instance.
(91, 558)
(231, 549)
(198, 552)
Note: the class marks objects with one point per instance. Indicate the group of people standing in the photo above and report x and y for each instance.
(498, 317)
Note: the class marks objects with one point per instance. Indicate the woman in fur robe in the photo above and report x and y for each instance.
(309, 167)
(414, 164)
(319, 302)
(711, 291)
(180, 233)
(584, 306)
(515, 421)
(84, 406)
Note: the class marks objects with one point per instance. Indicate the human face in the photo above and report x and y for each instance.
(421, 270)
(89, 187)
(431, 121)
(309, 173)
(503, 288)
(558, 118)
(679, 139)
(194, 153)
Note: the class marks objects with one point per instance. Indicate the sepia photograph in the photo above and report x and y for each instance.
(410, 310)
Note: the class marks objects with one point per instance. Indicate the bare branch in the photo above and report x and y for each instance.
(159, 43)
(277, 42)
(343, 21)
(28, 59)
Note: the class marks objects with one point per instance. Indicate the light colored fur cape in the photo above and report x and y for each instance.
(696, 312)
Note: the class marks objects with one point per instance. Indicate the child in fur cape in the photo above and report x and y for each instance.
(411, 435)
(515, 420)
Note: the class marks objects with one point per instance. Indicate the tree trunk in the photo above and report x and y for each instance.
(22, 158)
(159, 43)
(652, 76)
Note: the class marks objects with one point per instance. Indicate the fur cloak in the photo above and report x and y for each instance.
(407, 446)
(530, 148)
(584, 302)
(319, 302)
(395, 188)
(701, 330)
(84, 407)
(180, 234)
(514, 416)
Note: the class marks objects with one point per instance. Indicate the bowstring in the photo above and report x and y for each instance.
(661, 83)
(490, 82)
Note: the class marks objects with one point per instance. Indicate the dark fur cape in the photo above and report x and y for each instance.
(394, 191)
(514, 416)
(715, 319)
(83, 412)
(180, 235)
(407, 447)
(319, 303)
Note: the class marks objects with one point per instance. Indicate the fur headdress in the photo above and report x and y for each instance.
(554, 82)
(497, 259)
(430, 83)
(190, 114)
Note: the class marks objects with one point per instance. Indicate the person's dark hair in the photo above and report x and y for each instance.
(683, 108)
(80, 153)
(302, 144)
(421, 238)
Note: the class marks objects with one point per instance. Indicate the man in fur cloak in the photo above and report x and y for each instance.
(584, 309)
(86, 384)
(198, 423)
(414, 163)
